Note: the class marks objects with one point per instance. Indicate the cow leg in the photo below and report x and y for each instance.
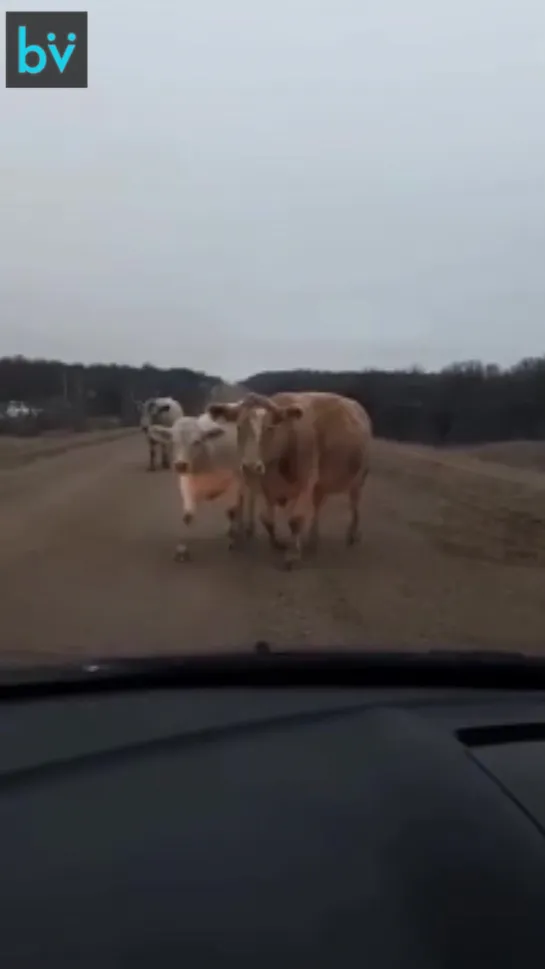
(165, 457)
(151, 463)
(297, 516)
(353, 534)
(235, 514)
(235, 518)
(268, 521)
(182, 552)
(314, 532)
(233, 528)
(248, 522)
(246, 513)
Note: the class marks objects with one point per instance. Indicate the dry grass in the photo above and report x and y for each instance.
(470, 507)
(18, 451)
(515, 454)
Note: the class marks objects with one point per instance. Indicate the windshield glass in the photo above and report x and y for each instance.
(272, 325)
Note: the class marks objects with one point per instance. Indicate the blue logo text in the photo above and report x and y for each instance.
(38, 52)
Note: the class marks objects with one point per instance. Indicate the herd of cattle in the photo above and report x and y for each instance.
(289, 451)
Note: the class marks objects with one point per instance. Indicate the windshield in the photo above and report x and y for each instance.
(272, 325)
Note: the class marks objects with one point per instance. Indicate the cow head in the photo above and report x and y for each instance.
(261, 427)
(152, 412)
(188, 436)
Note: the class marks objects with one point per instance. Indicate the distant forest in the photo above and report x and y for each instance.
(464, 403)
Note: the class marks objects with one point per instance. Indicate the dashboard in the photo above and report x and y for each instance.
(274, 828)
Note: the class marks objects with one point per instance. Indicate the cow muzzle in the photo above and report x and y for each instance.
(182, 467)
(253, 468)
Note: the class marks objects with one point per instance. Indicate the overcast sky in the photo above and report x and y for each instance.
(249, 185)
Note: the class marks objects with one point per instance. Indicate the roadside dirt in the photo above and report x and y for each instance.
(451, 557)
(15, 451)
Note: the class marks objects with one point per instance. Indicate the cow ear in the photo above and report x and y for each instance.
(223, 412)
(293, 412)
(257, 400)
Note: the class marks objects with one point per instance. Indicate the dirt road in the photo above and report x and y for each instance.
(86, 563)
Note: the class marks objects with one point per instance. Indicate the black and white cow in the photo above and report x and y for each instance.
(162, 412)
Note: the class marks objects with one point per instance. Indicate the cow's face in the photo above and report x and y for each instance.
(154, 412)
(253, 430)
(189, 436)
(261, 429)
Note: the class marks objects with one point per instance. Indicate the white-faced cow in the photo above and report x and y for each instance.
(206, 462)
(298, 449)
(162, 412)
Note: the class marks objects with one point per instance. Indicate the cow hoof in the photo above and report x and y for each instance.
(353, 539)
(181, 553)
(289, 563)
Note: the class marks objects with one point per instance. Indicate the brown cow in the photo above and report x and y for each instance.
(297, 449)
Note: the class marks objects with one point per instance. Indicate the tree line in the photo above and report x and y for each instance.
(75, 394)
(464, 403)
